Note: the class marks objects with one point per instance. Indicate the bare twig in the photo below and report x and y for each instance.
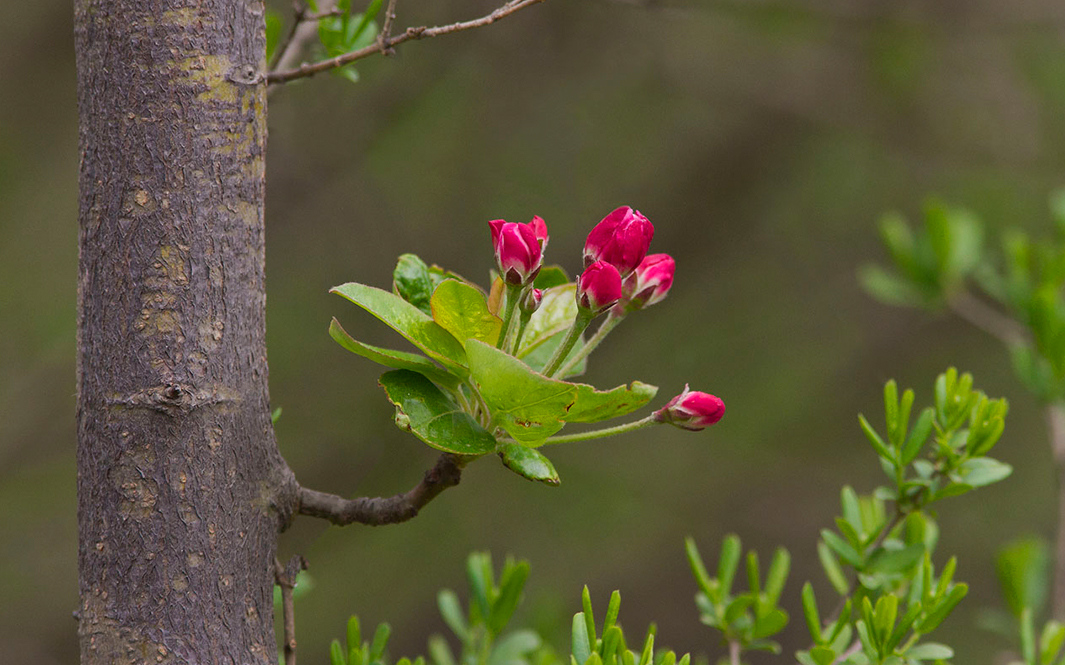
(285, 576)
(447, 472)
(384, 38)
(734, 652)
(304, 32)
(310, 69)
(987, 318)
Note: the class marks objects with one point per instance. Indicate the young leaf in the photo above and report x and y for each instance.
(380, 641)
(581, 651)
(918, 436)
(557, 311)
(778, 574)
(423, 410)
(528, 462)
(832, 569)
(529, 406)
(702, 578)
(589, 618)
(461, 310)
(391, 358)
(884, 560)
(874, 438)
(412, 281)
(930, 651)
(729, 562)
(842, 548)
(451, 611)
(409, 321)
(809, 608)
(550, 276)
(336, 654)
(612, 612)
(510, 590)
(593, 405)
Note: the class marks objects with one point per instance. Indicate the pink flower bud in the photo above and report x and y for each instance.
(649, 283)
(539, 227)
(691, 410)
(621, 240)
(598, 287)
(530, 302)
(518, 254)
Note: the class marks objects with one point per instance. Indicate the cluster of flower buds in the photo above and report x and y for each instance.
(621, 240)
(691, 410)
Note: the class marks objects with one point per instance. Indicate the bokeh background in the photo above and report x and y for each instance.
(762, 137)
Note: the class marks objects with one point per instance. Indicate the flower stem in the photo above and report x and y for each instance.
(513, 295)
(601, 433)
(523, 321)
(611, 322)
(580, 323)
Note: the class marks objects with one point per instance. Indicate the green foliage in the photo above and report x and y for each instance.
(465, 395)
(896, 598)
(938, 264)
(348, 32)
(608, 646)
(750, 618)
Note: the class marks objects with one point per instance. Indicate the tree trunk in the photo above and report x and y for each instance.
(181, 489)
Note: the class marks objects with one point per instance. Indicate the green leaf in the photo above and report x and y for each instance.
(439, 651)
(695, 561)
(983, 471)
(809, 608)
(380, 641)
(392, 358)
(770, 624)
(556, 314)
(930, 651)
(451, 611)
(823, 655)
(612, 611)
(832, 569)
(354, 634)
(512, 649)
(842, 548)
(884, 560)
(580, 638)
(529, 406)
(777, 576)
(414, 282)
(479, 575)
(336, 654)
(275, 415)
(943, 608)
(737, 607)
(874, 438)
(918, 436)
(1023, 569)
(728, 562)
(273, 33)
(889, 288)
(528, 462)
(509, 596)
(852, 511)
(426, 412)
(1027, 636)
(589, 617)
(549, 277)
(1050, 641)
(593, 405)
(409, 321)
(461, 310)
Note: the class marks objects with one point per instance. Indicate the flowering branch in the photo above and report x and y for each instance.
(387, 44)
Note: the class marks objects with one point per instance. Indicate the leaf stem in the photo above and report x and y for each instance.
(599, 433)
(611, 322)
(580, 324)
(513, 296)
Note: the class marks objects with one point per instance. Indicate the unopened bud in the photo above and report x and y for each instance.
(691, 410)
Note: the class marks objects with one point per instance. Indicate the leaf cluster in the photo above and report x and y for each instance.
(462, 394)
(750, 618)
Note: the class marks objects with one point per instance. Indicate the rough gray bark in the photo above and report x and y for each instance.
(181, 489)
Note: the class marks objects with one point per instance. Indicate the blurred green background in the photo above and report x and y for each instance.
(763, 138)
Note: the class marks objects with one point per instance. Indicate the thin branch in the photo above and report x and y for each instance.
(384, 38)
(377, 511)
(285, 576)
(310, 69)
(304, 32)
(734, 652)
(987, 318)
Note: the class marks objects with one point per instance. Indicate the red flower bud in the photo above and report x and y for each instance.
(691, 410)
(621, 240)
(539, 228)
(650, 282)
(518, 253)
(530, 302)
(598, 287)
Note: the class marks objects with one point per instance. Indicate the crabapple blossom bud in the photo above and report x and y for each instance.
(598, 287)
(649, 283)
(530, 302)
(691, 410)
(621, 240)
(518, 254)
(539, 227)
